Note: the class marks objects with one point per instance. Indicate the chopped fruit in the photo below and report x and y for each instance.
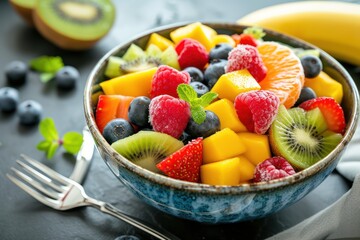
(207, 128)
(273, 168)
(169, 115)
(133, 84)
(224, 172)
(191, 54)
(246, 57)
(222, 38)
(147, 148)
(232, 84)
(257, 109)
(245, 39)
(196, 75)
(257, 147)
(199, 88)
(285, 75)
(113, 68)
(332, 111)
(166, 80)
(306, 94)
(312, 65)
(153, 51)
(246, 170)
(133, 52)
(301, 137)
(116, 129)
(138, 111)
(222, 145)
(196, 31)
(159, 41)
(226, 112)
(213, 72)
(325, 86)
(185, 163)
(220, 51)
(170, 57)
(110, 107)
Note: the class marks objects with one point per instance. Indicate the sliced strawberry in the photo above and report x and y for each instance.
(332, 111)
(244, 39)
(185, 163)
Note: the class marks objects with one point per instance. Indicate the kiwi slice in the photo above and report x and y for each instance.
(147, 148)
(24, 8)
(302, 137)
(139, 64)
(74, 24)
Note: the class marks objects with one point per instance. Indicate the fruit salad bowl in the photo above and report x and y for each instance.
(219, 203)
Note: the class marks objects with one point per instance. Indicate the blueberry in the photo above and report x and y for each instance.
(9, 99)
(196, 74)
(220, 51)
(200, 88)
(29, 112)
(16, 73)
(305, 94)
(116, 129)
(66, 77)
(213, 72)
(210, 126)
(312, 65)
(138, 112)
(127, 237)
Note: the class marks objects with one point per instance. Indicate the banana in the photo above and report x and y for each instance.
(331, 26)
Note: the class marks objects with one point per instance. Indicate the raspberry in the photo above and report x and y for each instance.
(273, 168)
(246, 57)
(191, 54)
(166, 80)
(169, 115)
(257, 109)
(244, 39)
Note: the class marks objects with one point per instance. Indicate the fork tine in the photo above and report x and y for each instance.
(41, 198)
(47, 170)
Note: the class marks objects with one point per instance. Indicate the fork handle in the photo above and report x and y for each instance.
(138, 223)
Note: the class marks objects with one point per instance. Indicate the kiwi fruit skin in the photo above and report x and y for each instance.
(63, 40)
(318, 142)
(24, 9)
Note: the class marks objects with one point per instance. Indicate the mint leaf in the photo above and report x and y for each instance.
(72, 142)
(48, 130)
(186, 92)
(256, 32)
(52, 150)
(207, 98)
(45, 77)
(43, 145)
(198, 114)
(47, 64)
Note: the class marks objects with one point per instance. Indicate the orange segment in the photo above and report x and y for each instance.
(285, 76)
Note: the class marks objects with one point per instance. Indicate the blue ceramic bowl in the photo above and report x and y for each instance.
(220, 204)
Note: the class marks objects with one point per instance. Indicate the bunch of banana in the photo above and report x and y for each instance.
(331, 26)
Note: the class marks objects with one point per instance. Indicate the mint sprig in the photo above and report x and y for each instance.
(197, 104)
(71, 141)
(256, 32)
(47, 66)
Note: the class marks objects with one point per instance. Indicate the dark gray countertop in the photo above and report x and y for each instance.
(22, 217)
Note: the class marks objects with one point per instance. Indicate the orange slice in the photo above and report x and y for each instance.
(285, 75)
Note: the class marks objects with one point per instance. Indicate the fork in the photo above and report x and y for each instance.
(61, 193)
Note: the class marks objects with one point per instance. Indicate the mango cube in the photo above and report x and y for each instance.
(224, 172)
(132, 84)
(196, 31)
(226, 112)
(160, 41)
(223, 38)
(222, 145)
(246, 169)
(325, 86)
(257, 147)
(233, 83)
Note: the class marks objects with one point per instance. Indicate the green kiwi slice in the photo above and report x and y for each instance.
(147, 148)
(302, 137)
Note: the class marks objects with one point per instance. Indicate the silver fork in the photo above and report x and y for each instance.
(62, 193)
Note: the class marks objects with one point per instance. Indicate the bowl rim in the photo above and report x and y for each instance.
(220, 189)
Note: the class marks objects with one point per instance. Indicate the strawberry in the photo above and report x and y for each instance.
(185, 163)
(331, 110)
(244, 39)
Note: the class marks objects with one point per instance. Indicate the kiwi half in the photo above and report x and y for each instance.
(74, 24)
(147, 148)
(24, 8)
(302, 137)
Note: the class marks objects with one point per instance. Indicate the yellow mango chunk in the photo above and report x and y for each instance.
(225, 172)
(222, 145)
(160, 41)
(325, 86)
(246, 170)
(226, 112)
(257, 147)
(132, 84)
(223, 38)
(197, 31)
(233, 83)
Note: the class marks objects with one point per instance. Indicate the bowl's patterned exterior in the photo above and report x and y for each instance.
(221, 204)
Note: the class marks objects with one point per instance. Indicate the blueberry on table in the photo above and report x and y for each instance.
(199, 88)
(312, 65)
(127, 237)
(29, 112)
(213, 72)
(305, 94)
(66, 77)
(220, 51)
(210, 126)
(16, 73)
(116, 129)
(138, 112)
(9, 99)
(196, 75)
